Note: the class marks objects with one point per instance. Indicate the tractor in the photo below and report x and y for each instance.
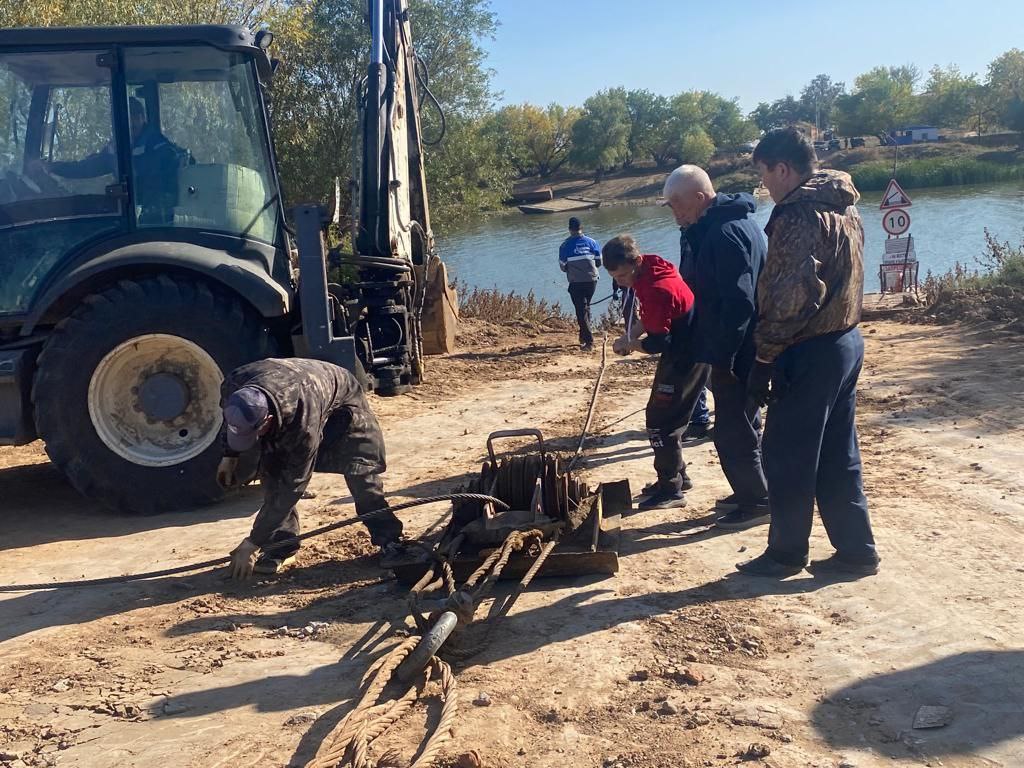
(145, 250)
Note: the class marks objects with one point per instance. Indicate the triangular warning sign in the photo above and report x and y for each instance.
(895, 197)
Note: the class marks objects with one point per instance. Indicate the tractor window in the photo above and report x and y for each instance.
(202, 160)
(56, 162)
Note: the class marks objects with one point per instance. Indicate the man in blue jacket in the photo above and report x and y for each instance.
(729, 251)
(579, 257)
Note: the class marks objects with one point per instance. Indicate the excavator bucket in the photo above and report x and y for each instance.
(440, 308)
(542, 495)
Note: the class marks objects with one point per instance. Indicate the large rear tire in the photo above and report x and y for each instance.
(127, 390)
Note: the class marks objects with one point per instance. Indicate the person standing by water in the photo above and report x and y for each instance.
(666, 315)
(728, 250)
(579, 257)
(808, 359)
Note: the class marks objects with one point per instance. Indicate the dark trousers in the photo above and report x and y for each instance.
(581, 294)
(811, 452)
(367, 494)
(701, 414)
(678, 383)
(737, 437)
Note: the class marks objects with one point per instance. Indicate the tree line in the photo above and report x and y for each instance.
(886, 98)
(323, 46)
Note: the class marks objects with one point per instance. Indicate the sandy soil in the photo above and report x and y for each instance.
(673, 662)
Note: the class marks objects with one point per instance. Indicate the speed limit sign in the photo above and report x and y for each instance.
(895, 221)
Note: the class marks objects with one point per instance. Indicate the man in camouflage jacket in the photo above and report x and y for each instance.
(809, 356)
(303, 415)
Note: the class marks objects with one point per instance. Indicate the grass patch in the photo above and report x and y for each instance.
(494, 306)
(1001, 266)
(934, 172)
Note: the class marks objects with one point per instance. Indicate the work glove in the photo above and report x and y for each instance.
(759, 383)
(621, 346)
(227, 472)
(243, 559)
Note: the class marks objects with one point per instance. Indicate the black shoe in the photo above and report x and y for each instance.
(727, 504)
(395, 552)
(840, 566)
(586, 347)
(687, 485)
(273, 563)
(766, 565)
(697, 431)
(663, 500)
(744, 516)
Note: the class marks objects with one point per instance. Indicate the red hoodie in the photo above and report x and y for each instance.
(663, 295)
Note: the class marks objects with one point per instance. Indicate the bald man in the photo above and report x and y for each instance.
(729, 250)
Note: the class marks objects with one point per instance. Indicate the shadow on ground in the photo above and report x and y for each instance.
(983, 690)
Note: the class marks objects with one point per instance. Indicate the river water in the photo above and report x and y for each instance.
(516, 252)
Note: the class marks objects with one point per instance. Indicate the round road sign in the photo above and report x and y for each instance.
(895, 221)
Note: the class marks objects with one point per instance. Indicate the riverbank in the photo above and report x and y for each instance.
(935, 164)
(672, 663)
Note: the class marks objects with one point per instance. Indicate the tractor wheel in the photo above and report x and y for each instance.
(127, 391)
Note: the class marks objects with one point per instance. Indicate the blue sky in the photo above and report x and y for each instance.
(565, 50)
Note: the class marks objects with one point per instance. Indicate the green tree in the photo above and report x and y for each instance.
(648, 114)
(601, 136)
(535, 141)
(781, 112)
(818, 99)
(465, 172)
(948, 97)
(882, 99)
(1006, 83)
(722, 120)
(696, 148)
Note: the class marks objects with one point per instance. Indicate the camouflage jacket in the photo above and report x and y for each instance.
(323, 422)
(813, 277)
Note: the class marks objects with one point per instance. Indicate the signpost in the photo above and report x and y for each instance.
(896, 221)
(899, 265)
(895, 197)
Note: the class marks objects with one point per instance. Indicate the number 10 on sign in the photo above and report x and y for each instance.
(895, 221)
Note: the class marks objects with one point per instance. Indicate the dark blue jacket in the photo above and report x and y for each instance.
(729, 250)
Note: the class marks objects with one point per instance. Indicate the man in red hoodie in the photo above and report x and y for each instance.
(666, 313)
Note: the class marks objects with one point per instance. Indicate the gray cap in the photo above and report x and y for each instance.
(244, 412)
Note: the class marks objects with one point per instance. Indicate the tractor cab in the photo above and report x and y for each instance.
(157, 138)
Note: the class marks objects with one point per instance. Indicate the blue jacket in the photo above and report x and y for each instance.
(729, 252)
(579, 257)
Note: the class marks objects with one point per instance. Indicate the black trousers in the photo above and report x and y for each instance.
(678, 383)
(581, 294)
(368, 495)
(811, 451)
(737, 436)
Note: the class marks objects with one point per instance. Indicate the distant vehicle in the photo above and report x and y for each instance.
(857, 141)
(833, 145)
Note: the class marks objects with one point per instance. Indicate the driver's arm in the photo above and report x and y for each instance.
(99, 164)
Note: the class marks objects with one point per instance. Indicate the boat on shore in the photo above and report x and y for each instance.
(562, 205)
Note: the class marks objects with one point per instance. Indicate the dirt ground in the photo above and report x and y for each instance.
(673, 662)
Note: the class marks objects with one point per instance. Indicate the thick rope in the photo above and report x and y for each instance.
(223, 560)
(349, 742)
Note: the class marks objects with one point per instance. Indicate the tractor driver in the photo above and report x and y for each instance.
(155, 161)
(302, 415)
